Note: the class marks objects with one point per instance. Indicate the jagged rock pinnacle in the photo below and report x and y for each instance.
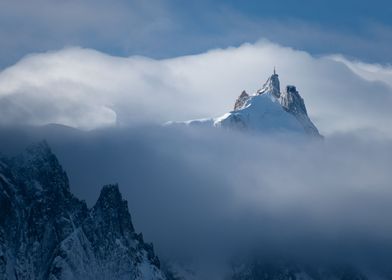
(39, 163)
(239, 103)
(294, 104)
(292, 101)
(111, 204)
(47, 233)
(272, 85)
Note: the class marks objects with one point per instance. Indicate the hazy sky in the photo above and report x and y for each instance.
(167, 28)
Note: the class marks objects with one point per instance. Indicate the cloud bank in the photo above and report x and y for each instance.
(87, 89)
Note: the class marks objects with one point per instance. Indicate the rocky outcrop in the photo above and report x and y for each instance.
(294, 104)
(47, 233)
(272, 85)
(292, 101)
(241, 100)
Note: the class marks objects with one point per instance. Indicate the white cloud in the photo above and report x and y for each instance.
(370, 72)
(88, 89)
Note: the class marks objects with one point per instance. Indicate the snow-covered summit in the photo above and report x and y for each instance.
(272, 85)
(268, 110)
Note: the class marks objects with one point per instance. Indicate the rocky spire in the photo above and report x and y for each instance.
(293, 103)
(241, 100)
(113, 210)
(47, 233)
(272, 85)
(37, 168)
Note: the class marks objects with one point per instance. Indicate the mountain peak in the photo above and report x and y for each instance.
(272, 85)
(111, 204)
(268, 110)
(240, 102)
(110, 195)
(37, 152)
(265, 110)
(47, 233)
(39, 168)
(292, 101)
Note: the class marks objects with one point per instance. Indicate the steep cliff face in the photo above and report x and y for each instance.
(47, 233)
(294, 104)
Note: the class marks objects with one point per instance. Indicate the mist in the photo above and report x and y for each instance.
(212, 194)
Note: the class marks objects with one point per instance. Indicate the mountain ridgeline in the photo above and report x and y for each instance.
(47, 233)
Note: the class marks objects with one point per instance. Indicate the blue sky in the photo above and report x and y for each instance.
(169, 28)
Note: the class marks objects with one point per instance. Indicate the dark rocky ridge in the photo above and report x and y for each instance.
(47, 233)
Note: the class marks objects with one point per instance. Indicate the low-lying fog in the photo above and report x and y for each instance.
(208, 194)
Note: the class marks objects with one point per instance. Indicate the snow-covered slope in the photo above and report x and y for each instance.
(268, 110)
(47, 233)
